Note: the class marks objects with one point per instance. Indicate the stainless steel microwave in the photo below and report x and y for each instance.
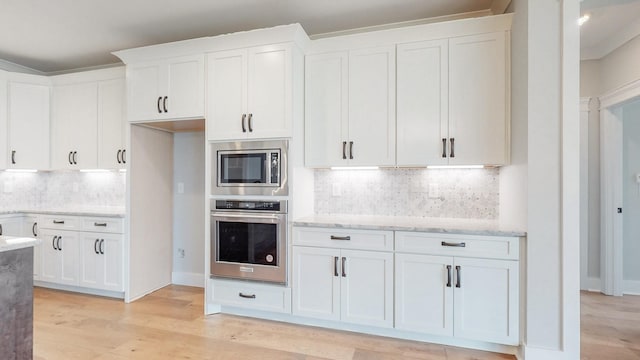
(250, 168)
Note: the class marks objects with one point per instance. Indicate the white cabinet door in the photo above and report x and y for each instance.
(269, 91)
(478, 100)
(144, 96)
(326, 109)
(59, 257)
(424, 294)
(28, 126)
(367, 288)
(185, 88)
(486, 301)
(422, 96)
(316, 282)
(30, 229)
(74, 126)
(11, 226)
(3, 120)
(372, 107)
(111, 124)
(101, 261)
(227, 95)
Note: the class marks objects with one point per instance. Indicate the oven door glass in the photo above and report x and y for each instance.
(243, 168)
(247, 243)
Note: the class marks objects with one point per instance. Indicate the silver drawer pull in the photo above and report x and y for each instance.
(444, 243)
(333, 237)
(252, 296)
(99, 224)
(58, 221)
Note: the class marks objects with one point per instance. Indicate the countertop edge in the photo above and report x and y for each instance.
(25, 243)
(419, 228)
(64, 213)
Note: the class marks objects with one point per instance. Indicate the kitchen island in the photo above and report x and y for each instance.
(16, 297)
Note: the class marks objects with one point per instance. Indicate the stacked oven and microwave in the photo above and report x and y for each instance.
(248, 213)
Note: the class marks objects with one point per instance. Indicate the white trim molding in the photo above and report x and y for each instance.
(584, 191)
(631, 287)
(620, 95)
(187, 279)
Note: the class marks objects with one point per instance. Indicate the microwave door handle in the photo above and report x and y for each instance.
(267, 165)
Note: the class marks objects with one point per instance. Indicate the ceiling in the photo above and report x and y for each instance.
(612, 23)
(56, 36)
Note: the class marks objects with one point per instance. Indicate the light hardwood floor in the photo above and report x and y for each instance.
(610, 327)
(169, 324)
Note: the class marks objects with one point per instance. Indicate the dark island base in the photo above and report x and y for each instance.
(16, 304)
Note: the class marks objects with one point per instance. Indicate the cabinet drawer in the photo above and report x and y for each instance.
(343, 238)
(497, 247)
(252, 296)
(105, 225)
(59, 222)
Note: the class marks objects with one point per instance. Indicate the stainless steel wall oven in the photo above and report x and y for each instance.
(249, 240)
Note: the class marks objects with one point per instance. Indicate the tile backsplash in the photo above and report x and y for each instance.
(448, 193)
(61, 190)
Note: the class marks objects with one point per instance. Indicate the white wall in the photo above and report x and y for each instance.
(621, 66)
(188, 208)
(631, 193)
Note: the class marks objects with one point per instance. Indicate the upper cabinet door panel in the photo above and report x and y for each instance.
(269, 91)
(422, 95)
(74, 126)
(185, 88)
(3, 121)
(28, 122)
(227, 94)
(326, 108)
(144, 99)
(111, 124)
(478, 101)
(372, 106)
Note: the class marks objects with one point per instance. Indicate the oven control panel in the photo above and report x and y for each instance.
(251, 205)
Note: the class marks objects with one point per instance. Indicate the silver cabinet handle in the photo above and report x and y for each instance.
(452, 152)
(444, 243)
(250, 122)
(335, 266)
(444, 147)
(351, 150)
(344, 150)
(333, 237)
(252, 296)
(448, 275)
(244, 117)
(458, 277)
(104, 224)
(58, 221)
(344, 267)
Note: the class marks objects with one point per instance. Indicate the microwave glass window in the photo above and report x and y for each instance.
(247, 243)
(243, 168)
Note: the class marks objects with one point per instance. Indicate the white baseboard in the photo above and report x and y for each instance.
(631, 287)
(593, 285)
(533, 353)
(187, 279)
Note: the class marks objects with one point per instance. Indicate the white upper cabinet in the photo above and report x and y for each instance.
(250, 93)
(350, 108)
(88, 120)
(167, 89)
(422, 95)
(28, 122)
(3, 120)
(111, 124)
(478, 100)
(74, 126)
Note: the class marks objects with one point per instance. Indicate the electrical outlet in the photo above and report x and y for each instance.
(181, 253)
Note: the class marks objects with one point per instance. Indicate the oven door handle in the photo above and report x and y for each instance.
(248, 216)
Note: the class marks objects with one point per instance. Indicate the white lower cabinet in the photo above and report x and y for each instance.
(465, 297)
(30, 229)
(59, 257)
(101, 261)
(255, 296)
(348, 285)
(84, 252)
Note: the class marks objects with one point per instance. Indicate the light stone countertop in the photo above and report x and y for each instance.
(400, 223)
(79, 211)
(8, 243)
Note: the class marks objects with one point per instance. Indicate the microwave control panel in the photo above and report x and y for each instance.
(275, 168)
